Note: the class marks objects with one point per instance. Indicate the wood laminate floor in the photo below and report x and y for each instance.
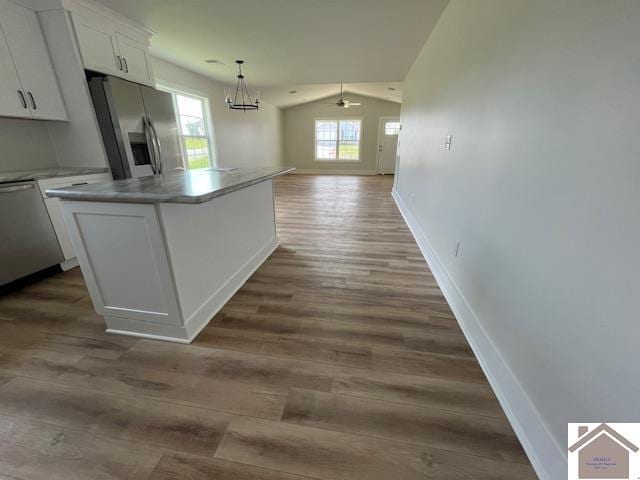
(339, 359)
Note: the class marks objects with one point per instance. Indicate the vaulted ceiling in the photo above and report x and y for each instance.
(291, 44)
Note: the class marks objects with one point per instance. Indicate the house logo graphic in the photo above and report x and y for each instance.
(601, 451)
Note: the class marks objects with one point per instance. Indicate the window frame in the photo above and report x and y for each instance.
(175, 90)
(337, 159)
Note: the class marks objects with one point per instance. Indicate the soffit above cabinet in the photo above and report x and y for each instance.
(126, 26)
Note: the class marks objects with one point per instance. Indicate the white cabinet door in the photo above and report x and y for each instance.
(31, 59)
(136, 61)
(124, 260)
(54, 208)
(13, 103)
(98, 46)
(62, 232)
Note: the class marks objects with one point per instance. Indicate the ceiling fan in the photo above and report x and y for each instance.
(342, 103)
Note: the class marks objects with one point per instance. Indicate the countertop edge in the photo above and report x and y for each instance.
(42, 174)
(150, 198)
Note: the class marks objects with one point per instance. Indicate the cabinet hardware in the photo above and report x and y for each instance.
(119, 62)
(33, 102)
(22, 100)
(126, 67)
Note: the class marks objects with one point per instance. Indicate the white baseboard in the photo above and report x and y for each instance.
(195, 323)
(69, 264)
(547, 457)
(302, 171)
(134, 328)
(215, 302)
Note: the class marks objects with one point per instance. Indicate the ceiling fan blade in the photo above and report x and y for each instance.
(353, 104)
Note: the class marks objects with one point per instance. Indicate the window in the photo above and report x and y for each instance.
(194, 129)
(391, 128)
(194, 134)
(338, 139)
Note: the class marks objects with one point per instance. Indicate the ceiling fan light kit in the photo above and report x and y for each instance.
(242, 99)
(342, 103)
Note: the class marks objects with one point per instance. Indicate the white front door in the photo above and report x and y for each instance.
(388, 144)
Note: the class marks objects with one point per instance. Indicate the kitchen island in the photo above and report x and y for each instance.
(162, 254)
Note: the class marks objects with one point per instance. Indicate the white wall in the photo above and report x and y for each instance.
(541, 186)
(24, 145)
(299, 133)
(243, 139)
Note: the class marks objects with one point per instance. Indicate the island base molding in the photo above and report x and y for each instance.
(162, 271)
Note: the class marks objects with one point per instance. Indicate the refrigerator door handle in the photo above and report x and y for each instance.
(150, 144)
(157, 144)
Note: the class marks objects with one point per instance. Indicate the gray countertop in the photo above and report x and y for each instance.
(197, 186)
(41, 173)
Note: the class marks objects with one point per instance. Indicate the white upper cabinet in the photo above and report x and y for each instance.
(108, 47)
(13, 103)
(27, 75)
(135, 60)
(98, 47)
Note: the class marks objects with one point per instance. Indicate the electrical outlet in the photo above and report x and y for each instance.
(456, 251)
(413, 199)
(447, 142)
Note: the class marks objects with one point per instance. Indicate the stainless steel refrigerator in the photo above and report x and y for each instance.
(138, 127)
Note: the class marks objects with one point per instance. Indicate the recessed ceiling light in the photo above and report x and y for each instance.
(215, 61)
(293, 91)
(391, 89)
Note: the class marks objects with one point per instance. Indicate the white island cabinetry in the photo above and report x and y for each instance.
(161, 267)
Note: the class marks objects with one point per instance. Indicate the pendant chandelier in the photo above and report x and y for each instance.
(242, 99)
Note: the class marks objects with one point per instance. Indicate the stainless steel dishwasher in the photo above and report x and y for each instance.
(28, 242)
